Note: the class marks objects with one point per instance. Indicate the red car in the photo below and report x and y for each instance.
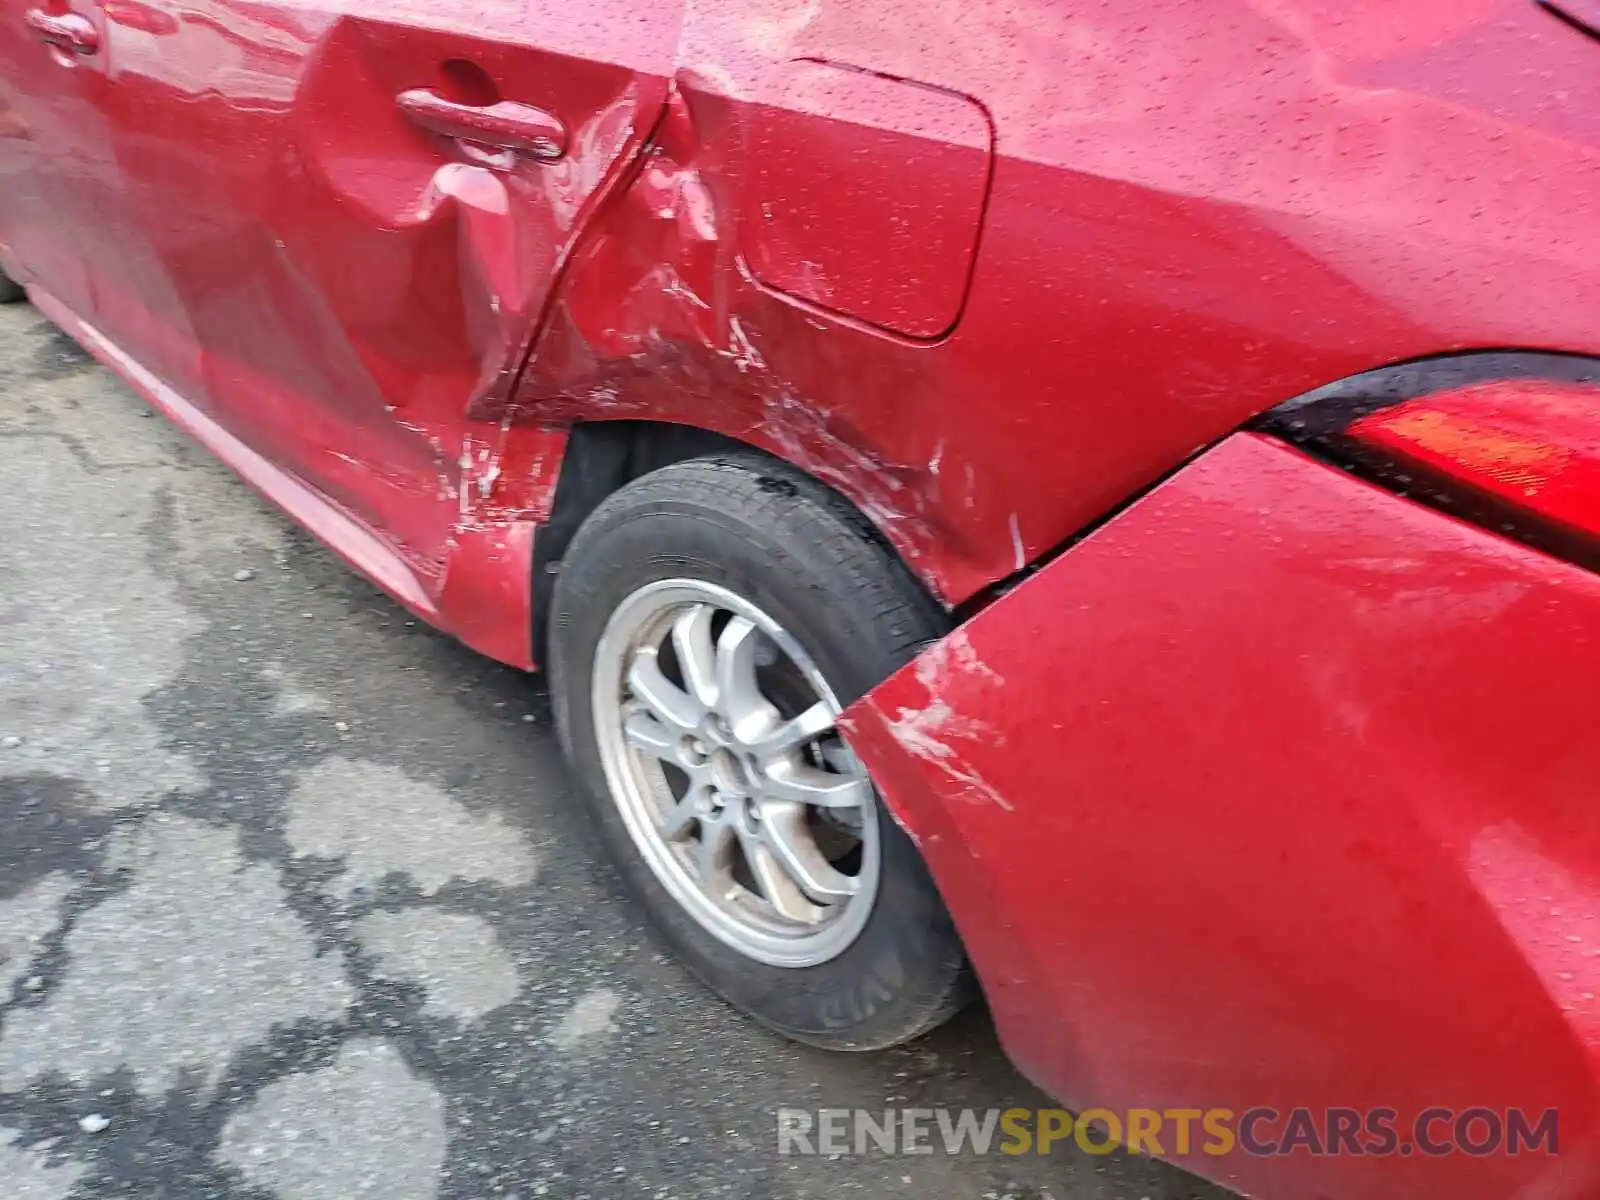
(1096, 501)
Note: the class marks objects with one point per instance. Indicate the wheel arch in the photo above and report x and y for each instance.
(603, 456)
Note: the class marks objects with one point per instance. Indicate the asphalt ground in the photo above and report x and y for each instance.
(295, 899)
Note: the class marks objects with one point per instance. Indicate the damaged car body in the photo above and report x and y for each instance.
(1091, 504)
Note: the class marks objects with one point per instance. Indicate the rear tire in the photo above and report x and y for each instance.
(860, 953)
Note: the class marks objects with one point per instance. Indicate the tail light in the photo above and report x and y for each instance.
(1511, 442)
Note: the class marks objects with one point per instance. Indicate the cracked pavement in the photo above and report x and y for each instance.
(295, 901)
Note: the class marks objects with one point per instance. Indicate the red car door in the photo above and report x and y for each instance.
(344, 223)
(52, 143)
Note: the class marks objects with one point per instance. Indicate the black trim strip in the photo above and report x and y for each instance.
(1582, 15)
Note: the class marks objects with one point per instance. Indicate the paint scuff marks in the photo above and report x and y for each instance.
(934, 731)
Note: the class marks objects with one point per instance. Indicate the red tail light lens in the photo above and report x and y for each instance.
(1518, 454)
(1532, 444)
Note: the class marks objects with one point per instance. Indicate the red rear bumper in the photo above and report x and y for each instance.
(1278, 790)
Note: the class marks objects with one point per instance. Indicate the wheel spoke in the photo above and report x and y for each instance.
(678, 819)
(739, 697)
(777, 886)
(644, 731)
(715, 853)
(697, 658)
(669, 702)
(791, 779)
(797, 731)
(784, 829)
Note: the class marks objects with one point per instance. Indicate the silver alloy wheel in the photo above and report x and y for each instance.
(716, 733)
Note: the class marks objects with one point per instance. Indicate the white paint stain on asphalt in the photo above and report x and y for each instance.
(588, 1020)
(378, 820)
(87, 628)
(363, 1126)
(454, 957)
(292, 697)
(198, 959)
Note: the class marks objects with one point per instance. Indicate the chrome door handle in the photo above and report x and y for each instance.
(506, 124)
(71, 32)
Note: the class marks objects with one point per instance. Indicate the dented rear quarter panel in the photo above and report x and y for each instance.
(1194, 210)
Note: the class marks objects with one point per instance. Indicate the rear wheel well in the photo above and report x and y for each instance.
(602, 456)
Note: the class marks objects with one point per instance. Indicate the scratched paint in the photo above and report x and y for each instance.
(935, 732)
